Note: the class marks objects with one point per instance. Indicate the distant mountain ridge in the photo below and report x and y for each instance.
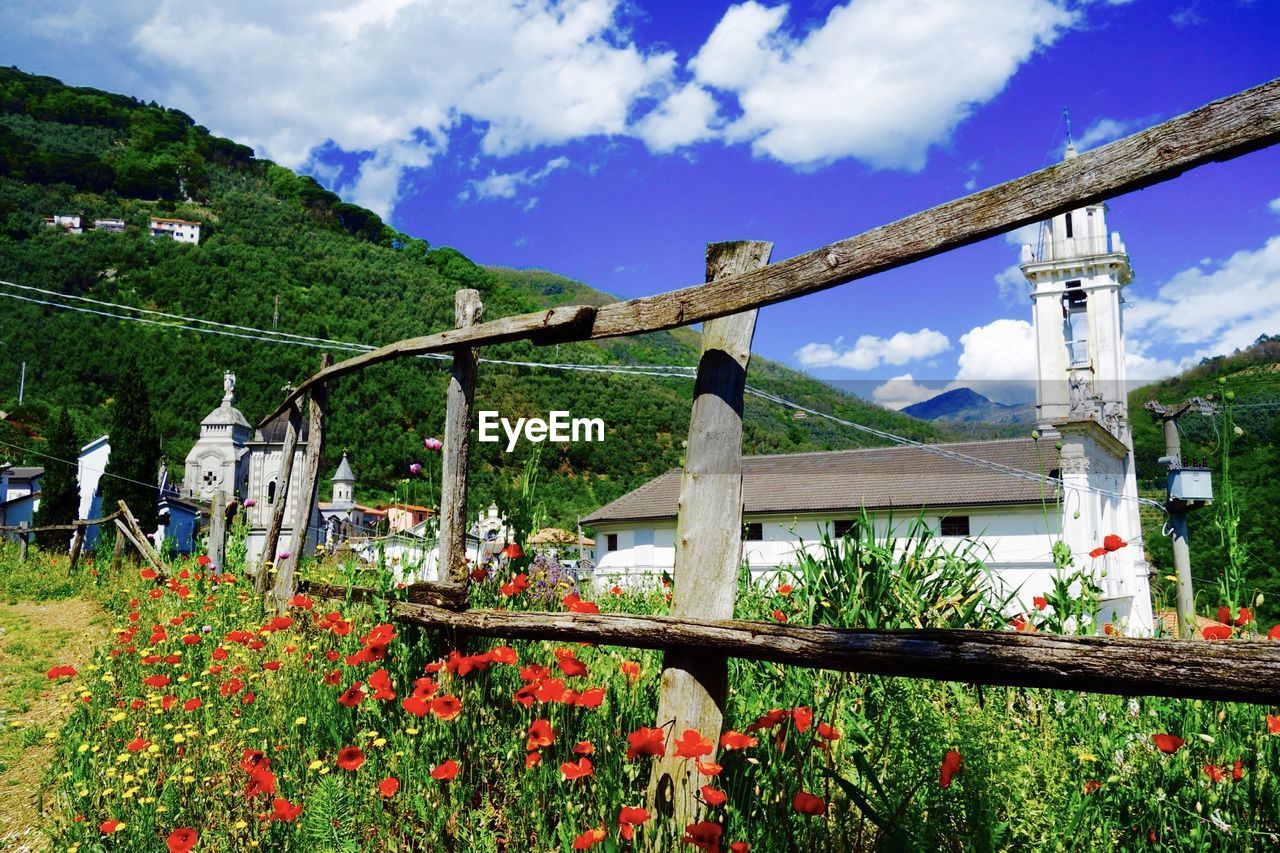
(964, 405)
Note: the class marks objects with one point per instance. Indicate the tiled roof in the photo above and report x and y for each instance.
(20, 472)
(875, 478)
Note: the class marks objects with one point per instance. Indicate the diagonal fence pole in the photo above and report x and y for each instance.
(708, 536)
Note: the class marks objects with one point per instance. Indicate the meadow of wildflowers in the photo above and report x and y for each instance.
(210, 723)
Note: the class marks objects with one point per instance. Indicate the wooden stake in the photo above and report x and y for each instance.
(310, 483)
(139, 539)
(451, 567)
(117, 553)
(268, 555)
(77, 544)
(217, 546)
(23, 536)
(708, 534)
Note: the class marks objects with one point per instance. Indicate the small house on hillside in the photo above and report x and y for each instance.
(67, 222)
(182, 230)
(19, 494)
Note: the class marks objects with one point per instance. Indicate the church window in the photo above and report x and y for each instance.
(611, 542)
(955, 525)
(271, 492)
(1069, 231)
(843, 527)
(755, 531)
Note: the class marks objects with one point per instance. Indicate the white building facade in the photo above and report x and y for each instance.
(181, 230)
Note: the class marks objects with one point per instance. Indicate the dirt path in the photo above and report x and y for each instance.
(33, 637)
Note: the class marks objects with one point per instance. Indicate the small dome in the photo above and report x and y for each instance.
(344, 475)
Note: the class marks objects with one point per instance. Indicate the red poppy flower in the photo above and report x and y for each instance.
(1273, 724)
(350, 758)
(740, 847)
(479, 574)
(615, 590)
(182, 840)
(713, 796)
(646, 741)
(569, 664)
(951, 765)
(768, 720)
(584, 747)
(446, 707)
(631, 669)
(589, 839)
(1224, 614)
(1237, 770)
(827, 732)
(735, 740)
(1097, 552)
(1216, 632)
(779, 616)
(808, 804)
(63, 671)
(281, 809)
(1168, 744)
(380, 681)
(166, 702)
(252, 759)
(1274, 633)
(1091, 785)
(803, 718)
(192, 704)
(571, 770)
(1040, 602)
(1215, 773)
(261, 781)
(1113, 542)
(156, 680)
(301, 601)
(709, 768)
(109, 827)
(1243, 619)
(704, 835)
(551, 690)
(271, 665)
(416, 705)
(353, 695)
(219, 653)
(692, 744)
(628, 819)
(785, 589)
(574, 604)
(388, 786)
(136, 745)
(513, 551)
(446, 771)
(531, 759)
(540, 734)
(504, 655)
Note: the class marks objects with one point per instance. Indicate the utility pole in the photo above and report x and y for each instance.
(275, 315)
(22, 383)
(1177, 505)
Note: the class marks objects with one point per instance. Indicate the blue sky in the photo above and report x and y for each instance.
(609, 141)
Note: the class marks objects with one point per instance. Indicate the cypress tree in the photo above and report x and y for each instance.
(135, 449)
(59, 491)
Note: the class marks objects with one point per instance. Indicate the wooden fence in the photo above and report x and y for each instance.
(740, 280)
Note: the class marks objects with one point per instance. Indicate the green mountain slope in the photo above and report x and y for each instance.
(1247, 385)
(338, 272)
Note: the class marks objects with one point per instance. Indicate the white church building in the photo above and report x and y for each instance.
(1077, 273)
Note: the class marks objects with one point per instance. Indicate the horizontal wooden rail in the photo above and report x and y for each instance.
(1234, 671)
(67, 528)
(554, 325)
(1218, 131)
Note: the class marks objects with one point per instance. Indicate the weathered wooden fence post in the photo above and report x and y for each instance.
(217, 545)
(308, 493)
(451, 567)
(77, 544)
(133, 530)
(118, 553)
(708, 534)
(23, 543)
(268, 555)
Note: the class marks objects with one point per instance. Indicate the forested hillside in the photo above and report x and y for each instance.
(1246, 434)
(339, 272)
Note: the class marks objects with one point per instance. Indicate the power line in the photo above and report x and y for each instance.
(677, 371)
(76, 465)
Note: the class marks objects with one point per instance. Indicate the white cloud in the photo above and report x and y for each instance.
(687, 116)
(870, 351)
(1216, 308)
(1014, 289)
(998, 360)
(877, 80)
(901, 391)
(507, 185)
(1105, 130)
(393, 80)
(1274, 206)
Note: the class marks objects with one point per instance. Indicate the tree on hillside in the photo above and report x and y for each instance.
(59, 491)
(135, 449)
